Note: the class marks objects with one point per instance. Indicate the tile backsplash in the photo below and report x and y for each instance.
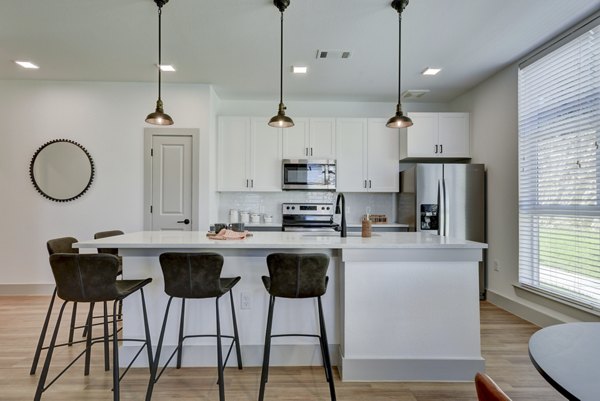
(270, 203)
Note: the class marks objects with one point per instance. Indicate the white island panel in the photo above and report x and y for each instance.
(400, 306)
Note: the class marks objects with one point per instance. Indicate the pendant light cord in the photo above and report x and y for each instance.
(281, 64)
(399, 55)
(159, 49)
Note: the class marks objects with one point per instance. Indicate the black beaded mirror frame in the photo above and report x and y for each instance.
(40, 190)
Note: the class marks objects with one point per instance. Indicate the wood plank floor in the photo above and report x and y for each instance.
(504, 344)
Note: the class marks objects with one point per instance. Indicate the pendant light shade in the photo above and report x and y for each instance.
(281, 120)
(158, 117)
(399, 120)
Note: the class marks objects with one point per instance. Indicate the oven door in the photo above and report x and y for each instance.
(309, 174)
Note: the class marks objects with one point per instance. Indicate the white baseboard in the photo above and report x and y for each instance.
(523, 311)
(26, 289)
(410, 369)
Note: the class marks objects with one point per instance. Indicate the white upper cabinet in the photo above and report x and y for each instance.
(368, 154)
(249, 155)
(436, 135)
(310, 138)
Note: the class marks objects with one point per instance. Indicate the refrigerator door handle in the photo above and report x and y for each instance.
(446, 208)
(440, 202)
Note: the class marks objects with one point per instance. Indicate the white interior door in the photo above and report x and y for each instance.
(171, 207)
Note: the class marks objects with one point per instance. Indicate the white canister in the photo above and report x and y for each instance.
(233, 216)
(268, 218)
(255, 218)
(244, 217)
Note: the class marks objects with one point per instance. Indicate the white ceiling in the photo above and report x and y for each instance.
(234, 44)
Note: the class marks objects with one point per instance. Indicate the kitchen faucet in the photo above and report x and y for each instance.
(343, 230)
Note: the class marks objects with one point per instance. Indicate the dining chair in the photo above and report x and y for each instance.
(488, 390)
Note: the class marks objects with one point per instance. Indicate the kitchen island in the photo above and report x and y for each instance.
(400, 306)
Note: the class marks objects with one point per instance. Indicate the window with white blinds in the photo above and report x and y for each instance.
(559, 169)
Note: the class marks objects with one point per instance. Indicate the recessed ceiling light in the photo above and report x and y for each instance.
(431, 71)
(27, 64)
(299, 70)
(167, 67)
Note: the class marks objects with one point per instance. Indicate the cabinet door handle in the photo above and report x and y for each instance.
(436, 149)
(246, 183)
(306, 151)
(369, 183)
(252, 183)
(311, 151)
(364, 186)
(441, 148)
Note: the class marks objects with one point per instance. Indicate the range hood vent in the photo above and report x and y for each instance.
(414, 93)
(333, 54)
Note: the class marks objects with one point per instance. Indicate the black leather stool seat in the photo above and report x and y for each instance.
(296, 275)
(195, 276)
(91, 278)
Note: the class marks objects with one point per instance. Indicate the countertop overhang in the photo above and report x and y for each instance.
(280, 240)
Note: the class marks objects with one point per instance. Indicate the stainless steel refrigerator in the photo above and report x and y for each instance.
(446, 199)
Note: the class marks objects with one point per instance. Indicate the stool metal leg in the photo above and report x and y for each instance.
(106, 348)
(116, 384)
(236, 336)
(180, 341)
(40, 387)
(265, 368)
(88, 342)
(73, 322)
(219, 354)
(40, 344)
(329, 374)
(146, 329)
(154, 369)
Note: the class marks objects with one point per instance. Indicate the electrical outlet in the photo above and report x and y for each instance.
(245, 300)
(496, 265)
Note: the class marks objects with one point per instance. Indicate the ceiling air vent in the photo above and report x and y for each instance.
(414, 93)
(333, 54)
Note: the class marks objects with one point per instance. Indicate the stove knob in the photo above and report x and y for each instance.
(287, 207)
(293, 207)
(327, 207)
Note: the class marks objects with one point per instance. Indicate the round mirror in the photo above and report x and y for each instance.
(62, 170)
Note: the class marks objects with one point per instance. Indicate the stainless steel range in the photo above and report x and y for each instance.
(308, 217)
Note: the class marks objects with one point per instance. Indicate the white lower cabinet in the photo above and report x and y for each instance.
(368, 154)
(249, 155)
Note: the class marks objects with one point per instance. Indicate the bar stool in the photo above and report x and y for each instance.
(294, 275)
(195, 276)
(57, 245)
(91, 278)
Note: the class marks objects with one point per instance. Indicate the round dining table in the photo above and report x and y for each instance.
(568, 357)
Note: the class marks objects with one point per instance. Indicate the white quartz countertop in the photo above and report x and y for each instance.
(280, 240)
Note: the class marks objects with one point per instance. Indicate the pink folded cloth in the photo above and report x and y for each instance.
(230, 234)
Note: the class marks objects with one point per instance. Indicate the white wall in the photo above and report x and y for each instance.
(494, 142)
(108, 120)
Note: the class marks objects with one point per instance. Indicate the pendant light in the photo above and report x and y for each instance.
(399, 120)
(159, 117)
(281, 120)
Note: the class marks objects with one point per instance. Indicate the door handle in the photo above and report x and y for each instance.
(441, 148)
(252, 183)
(186, 221)
(311, 151)
(306, 151)
(365, 184)
(436, 149)
(369, 183)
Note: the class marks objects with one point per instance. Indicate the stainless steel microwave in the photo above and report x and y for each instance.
(309, 174)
